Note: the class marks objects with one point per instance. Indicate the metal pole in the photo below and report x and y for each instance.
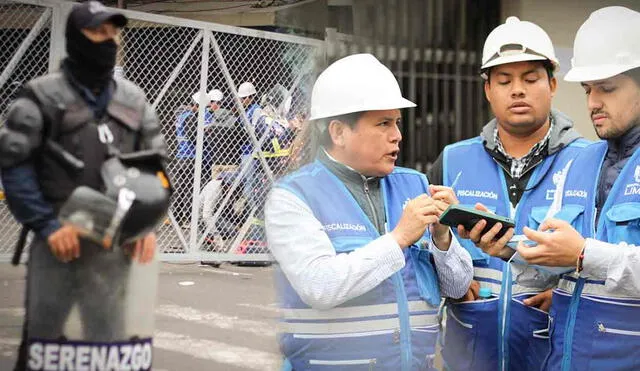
(236, 182)
(178, 230)
(24, 46)
(120, 62)
(195, 206)
(459, 60)
(58, 41)
(177, 70)
(243, 169)
(425, 128)
(435, 91)
(412, 87)
(240, 107)
(387, 27)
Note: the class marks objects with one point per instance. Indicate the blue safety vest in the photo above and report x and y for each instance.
(187, 149)
(392, 327)
(499, 333)
(593, 328)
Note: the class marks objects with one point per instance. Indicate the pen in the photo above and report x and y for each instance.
(455, 181)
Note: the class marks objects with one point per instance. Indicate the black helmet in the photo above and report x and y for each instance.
(135, 200)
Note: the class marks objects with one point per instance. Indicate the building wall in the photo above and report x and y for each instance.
(561, 19)
(310, 18)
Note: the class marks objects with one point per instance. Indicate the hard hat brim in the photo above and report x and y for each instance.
(593, 73)
(396, 104)
(522, 57)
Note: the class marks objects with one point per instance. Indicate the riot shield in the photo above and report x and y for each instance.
(96, 312)
(93, 313)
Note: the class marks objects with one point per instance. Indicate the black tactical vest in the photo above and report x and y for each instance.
(70, 122)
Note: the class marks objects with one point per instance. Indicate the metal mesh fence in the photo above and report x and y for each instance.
(225, 152)
(25, 35)
(220, 181)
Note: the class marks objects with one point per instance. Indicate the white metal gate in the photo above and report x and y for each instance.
(220, 189)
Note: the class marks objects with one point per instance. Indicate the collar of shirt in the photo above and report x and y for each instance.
(517, 165)
(344, 171)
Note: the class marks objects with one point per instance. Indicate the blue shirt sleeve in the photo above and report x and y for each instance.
(26, 201)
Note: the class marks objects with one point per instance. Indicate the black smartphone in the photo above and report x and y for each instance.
(456, 215)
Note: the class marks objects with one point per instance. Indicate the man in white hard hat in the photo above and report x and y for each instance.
(183, 168)
(220, 125)
(247, 93)
(215, 97)
(594, 317)
(363, 258)
(513, 174)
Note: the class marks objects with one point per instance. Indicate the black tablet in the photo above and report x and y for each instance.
(468, 217)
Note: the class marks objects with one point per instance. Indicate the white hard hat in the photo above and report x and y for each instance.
(355, 83)
(246, 89)
(607, 44)
(215, 95)
(517, 41)
(196, 97)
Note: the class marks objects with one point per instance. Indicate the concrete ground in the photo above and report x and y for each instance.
(206, 318)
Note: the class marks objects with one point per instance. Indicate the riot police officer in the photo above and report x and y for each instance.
(60, 131)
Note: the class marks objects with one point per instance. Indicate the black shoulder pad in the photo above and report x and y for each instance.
(22, 132)
(14, 147)
(127, 104)
(53, 93)
(52, 89)
(25, 117)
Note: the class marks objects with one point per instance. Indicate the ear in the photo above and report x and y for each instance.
(487, 89)
(553, 85)
(336, 131)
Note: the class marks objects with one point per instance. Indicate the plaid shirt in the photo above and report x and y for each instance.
(517, 165)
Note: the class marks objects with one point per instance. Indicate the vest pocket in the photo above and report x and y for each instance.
(624, 222)
(529, 335)
(615, 345)
(572, 214)
(459, 340)
(426, 277)
(347, 364)
(536, 217)
(471, 336)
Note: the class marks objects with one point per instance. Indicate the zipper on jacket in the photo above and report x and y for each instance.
(571, 323)
(602, 328)
(373, 209)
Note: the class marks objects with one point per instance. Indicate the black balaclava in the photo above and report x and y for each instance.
(91, 64)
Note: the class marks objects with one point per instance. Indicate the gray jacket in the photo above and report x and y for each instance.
(365, 190)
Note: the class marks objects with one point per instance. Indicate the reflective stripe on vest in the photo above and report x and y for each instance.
(591, 288)
(415, 320)
(277, 150)
(483, 275)
(352, 312)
